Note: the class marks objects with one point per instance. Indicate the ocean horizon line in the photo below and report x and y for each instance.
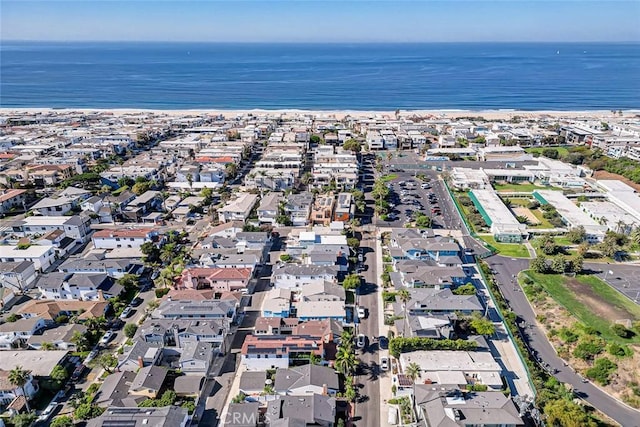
(342, 43)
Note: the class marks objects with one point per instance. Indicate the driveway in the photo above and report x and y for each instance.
(507, 270)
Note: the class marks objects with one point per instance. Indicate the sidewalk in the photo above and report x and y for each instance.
(383, 330)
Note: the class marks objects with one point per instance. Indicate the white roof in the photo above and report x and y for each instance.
(613, 185)
(33, 251)
(572, 214)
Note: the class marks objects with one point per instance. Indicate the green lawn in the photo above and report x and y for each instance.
(544, 223)
(514, 250)
(520, 201)
(388, 177)
(561, 150)
(522, 188)
(556, 286)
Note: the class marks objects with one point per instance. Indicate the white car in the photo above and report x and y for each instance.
(108, 336)
(361, 341)
(384, 364)
(125, 313)
(362, 312)
(48, 411)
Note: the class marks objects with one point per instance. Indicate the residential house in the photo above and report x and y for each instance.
(17, 276)
(219, 279)
(60, 337)
(40, 256)
(277, 303)
(167, 416)
(269, 208)
(92, 204)
(204, 309)
(245, 414)
(252, 383)
(12, 199)
(234, 261)
(113, 267)
(291, 276)
(238, 209)
(8, 391)
(322, 210)
(275, 325)
(39, 362)
(178, 332)
(439, 302)
(48, 310)
(196, 357)
(189, 385)
(305, 380)
(142, 205)
(85, 287)
(452, 407)
(315, 410)
(276, 351)
(15, 334)
(457, 368)
(124, 238)
(320, 310)
(139, 355)
(327, 330)
(114, 391)
(227, 230)
(78, 227)
(344, 208)
(298, 208)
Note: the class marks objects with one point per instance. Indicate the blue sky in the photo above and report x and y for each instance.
(321, 21)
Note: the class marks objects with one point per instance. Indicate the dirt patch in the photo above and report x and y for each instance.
(525, 212)
(552, 316)
(586, 295)
(609, 175)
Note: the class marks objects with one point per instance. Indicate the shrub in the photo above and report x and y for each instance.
(62, 318)
(160, 292)
(404, 345)
(601, 371)
(588, 347)
(567, 335)
(130, 330)
(621, 331)
(285, 257)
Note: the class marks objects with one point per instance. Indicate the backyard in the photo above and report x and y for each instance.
(514, 250)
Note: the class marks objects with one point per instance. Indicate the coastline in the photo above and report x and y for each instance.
(502, 114)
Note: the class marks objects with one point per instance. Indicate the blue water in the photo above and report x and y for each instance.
(547, 76)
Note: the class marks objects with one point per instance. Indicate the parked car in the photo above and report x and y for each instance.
(126, 313)
(92, 355)
(136, 302)
(48, 412)
(361, 341)
(108, 336)
(383, 343)
(384, 364)
(362, 312)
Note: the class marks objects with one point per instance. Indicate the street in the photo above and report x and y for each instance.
(367, 408)
(507, 270)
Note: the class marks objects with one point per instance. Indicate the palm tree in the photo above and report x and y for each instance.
(635, 236)
(19, 377)
(621, 227)
(231, 169)
(346, 361)
(47, 346)
(190, 180)
(405, 297)
(413, 371)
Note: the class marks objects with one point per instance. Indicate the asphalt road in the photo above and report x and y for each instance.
(507, 270)
(367, 407)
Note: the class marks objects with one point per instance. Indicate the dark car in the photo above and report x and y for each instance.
(136, 302)
(383, 343)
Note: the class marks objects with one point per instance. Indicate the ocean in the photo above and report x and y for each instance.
(467, 76)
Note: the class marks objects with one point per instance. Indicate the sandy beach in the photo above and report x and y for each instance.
(495, 115)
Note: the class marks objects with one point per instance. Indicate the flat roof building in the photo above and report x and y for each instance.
(571, 214)
(504, 226)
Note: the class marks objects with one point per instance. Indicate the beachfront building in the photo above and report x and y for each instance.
(504, 226)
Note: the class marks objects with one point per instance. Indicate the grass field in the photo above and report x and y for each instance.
(522, 188)
(544, 223)
(561, 150)
(591, 301)
(389, 177)
(514, 250)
